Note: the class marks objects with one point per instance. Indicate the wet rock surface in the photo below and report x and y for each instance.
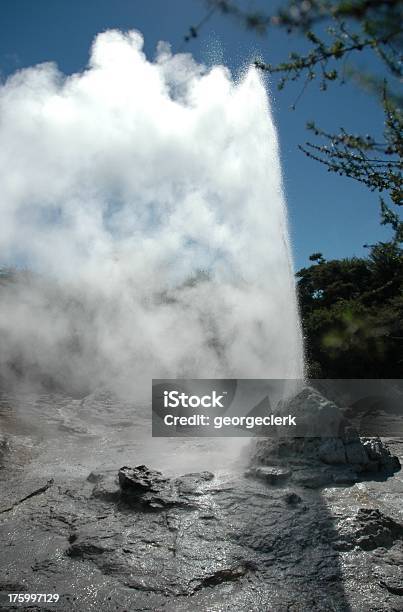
(272, 475)
(303, 530)
(319, 462)
(134, 539)
(369, 529)
(336, 454)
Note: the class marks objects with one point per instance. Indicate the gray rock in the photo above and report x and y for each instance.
(272, 475)
(332, 451)
(95, 477)
(380, 454)
(393, 584)
(192, 483)
(371, 529)
(345, 477)
(107, 489)
(315, 414)
(309, 453)
(292, 498)
(199, 476)
(142, 486)
(311, 478)
(4, 449)
(140, 480)
(349, 433)
(356, 453)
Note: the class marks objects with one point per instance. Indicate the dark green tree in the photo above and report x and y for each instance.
(352, 314)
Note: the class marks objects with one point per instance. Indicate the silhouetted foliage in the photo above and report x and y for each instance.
(352, 313)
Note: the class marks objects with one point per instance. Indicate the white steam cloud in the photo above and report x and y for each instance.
(147, 197)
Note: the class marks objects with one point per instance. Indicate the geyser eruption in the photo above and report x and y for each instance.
(146, 198)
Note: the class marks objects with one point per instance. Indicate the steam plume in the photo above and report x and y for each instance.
(147, 198)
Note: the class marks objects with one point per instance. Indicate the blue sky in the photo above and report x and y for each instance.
(334, 215)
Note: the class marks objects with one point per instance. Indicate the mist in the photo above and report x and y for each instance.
(145, 198)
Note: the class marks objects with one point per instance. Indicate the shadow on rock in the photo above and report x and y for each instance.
(285, 537)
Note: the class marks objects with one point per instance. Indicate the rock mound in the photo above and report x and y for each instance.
(141, 487)
(370, 529)
(324, 448)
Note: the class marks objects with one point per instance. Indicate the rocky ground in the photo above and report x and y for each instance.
(268, 540)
